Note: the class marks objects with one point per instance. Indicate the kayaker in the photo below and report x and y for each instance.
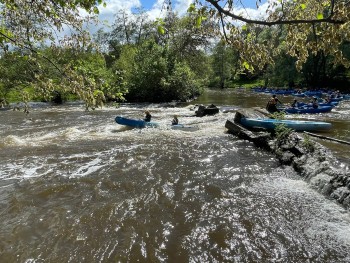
(327, 100)
(294, 103)
(148, 116)
(314, 103)
(272, 104)
(175, 121)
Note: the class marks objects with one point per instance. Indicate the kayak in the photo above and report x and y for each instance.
(336, 99)
(298, 95)
(184, 127)
(301, 110)
(313, 93)
(303, 104)
(296, 125)
(136, 123)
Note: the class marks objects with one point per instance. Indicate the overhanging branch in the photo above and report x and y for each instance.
(32, 50)
(328, 19)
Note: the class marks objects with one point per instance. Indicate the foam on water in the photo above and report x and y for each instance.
(326, 218)
(12, 140)
(91, 126)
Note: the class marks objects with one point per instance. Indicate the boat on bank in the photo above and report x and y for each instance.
(135, 123)
(297, 125)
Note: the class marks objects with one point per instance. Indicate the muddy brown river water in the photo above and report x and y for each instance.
(77, 187)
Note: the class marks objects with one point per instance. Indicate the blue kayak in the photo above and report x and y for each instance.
(303, 104)
(136, 123)
(313, 93)
(301, 110)
(298, 94)
(296, 125)
(337, 99)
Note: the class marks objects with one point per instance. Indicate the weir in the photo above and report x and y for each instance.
(309, 158)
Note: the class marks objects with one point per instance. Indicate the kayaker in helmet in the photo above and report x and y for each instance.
(175, 121)
(314, 103)
(148, 116)
(294, 103)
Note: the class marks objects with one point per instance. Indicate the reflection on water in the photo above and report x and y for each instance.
(77, 187)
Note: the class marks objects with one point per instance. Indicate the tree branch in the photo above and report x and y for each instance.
(32, 50)
(329, 19)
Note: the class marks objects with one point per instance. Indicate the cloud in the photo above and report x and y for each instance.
(253, 13)
(107, 14)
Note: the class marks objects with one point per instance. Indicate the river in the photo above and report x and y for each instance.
(77, 187)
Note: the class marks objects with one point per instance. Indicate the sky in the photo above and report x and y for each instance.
(154, 8)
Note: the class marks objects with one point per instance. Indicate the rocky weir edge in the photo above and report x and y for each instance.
(311, 160)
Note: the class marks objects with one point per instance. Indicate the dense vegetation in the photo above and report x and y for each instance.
(302, 43)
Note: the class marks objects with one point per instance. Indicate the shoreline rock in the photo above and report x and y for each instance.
(310, 159)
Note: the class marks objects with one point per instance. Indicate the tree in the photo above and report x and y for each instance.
(224, 64)
(25, 25)
(16, 74)
(151, 74)
(130, 28)
(156, 67)
(312, 26)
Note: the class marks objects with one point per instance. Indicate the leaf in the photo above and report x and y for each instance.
(191, 8)
(198, 21)
(303, 6)
(319, 16)
(96, 11)
(246, 65)
(244, 27)
(161, 30)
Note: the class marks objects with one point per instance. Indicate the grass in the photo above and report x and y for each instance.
(245, 83)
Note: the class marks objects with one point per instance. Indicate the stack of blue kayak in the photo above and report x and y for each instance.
(307, 109)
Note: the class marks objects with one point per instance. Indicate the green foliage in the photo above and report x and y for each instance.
(308, 144)
(152, 74)
(224, 62)
(246, 83)
(149, 67)
(16, 73)
(319, 69)
(282, 134)
(85, 77)
(278, 115)
(165, 59)
(310, 27)
(181, 84)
